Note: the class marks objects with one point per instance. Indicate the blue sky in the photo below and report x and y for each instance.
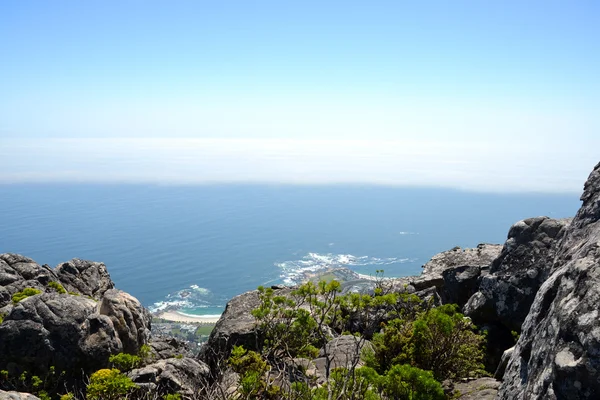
(500, 74)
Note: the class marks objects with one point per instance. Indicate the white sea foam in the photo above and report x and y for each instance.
(294, 271)
(190, 298)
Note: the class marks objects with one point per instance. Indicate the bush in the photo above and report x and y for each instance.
(125, 362)
(25, 293)
(404, 382)
(445, 343)
(109, 384)
(57, 287)
(440, 340)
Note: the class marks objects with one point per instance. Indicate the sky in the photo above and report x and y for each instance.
(478, 95)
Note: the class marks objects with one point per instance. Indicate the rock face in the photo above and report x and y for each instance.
(71, 332)
(558, 353)
(507, 292)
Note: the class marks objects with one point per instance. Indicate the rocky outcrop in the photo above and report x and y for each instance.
(68, 331)
(85, 277)
(173, 375)
(558, 353)
(455, 273)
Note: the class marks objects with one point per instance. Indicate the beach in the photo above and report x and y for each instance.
(177, 317)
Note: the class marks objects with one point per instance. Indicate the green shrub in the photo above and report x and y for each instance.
(2, 317)
(57, 287)
(109, 384)
(440, 340)
(254, 381)
(25, 293)
(124, 361)
(145, 353)
(445, 343)
(68, 396)
(404, 382)
(175, 396)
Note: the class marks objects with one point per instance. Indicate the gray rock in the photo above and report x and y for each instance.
(45, 330)
(130, 319)
(28, 269)
(558, 353)
(168, 347)
(182, 375)
(17, 396)
(236, 327)
(85, 277)
(503, 363)
(480, 257)
(460, 283)
(506, 294)
(71, 333)
(342, 351)
(478, 389)
(18, 272)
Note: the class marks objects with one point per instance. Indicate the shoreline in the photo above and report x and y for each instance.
(175, 316)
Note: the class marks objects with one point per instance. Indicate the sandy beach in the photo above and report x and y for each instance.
(177, 317)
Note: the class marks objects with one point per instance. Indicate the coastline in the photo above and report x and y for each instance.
(175, 316)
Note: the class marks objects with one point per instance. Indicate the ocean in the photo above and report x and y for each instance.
(194, 247)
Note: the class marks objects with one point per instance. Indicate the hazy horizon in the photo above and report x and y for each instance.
(469, 95)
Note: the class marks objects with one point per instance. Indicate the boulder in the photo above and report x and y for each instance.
(84, 277)
(49, 329)
(558, 353)
(182, 375)
(130, 319)
(17, 396)
(236, 327)
(71, 333)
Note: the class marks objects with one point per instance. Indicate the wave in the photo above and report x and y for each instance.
(294, 272)
(191, 298)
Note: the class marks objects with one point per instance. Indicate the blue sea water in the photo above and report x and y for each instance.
(198, 246)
